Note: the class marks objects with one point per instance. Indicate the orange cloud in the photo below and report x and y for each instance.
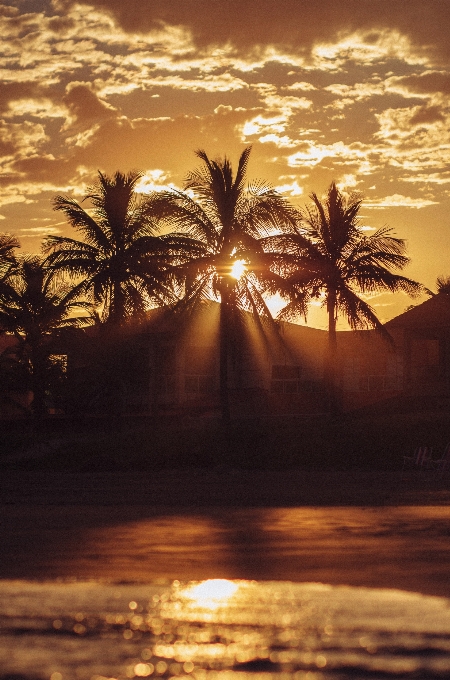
(429, 82)
(427, 114)
(84, 106)
(297, 23)
(15, 91)
(398, 201)
(22, 138)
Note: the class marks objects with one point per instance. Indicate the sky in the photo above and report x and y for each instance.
(354, 91)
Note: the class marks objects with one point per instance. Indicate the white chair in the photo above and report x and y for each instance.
(442, 464)
(419, 462)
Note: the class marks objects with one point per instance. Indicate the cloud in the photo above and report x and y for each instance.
(283, 109)
(41, 170)
(209, 83)
(312, 154)
(425, 115)
(84, 106)
(302, 86)
(291, 189)
(39, 107)
(350, 90)
(62, 24)
(156, 142)
(401, 123)
(398, 201)
(357, 91)
(276, 102)
(260, 125)
(13, 196)
(117, 142)
(32, 232)
(7, 11)
(154, 180)
(223, 109)
(31, 191)
(21, 139)
(296, 23)
(15, 91)
(348, 181)
(283, 142)
(418, 178)
(429, 82)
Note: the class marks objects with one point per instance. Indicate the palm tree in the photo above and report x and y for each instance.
(328, 254)
(8, 244)
(223, 259)
(443, 284)
(122, 264)
(35, 307)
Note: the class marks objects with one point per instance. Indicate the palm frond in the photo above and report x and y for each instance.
(80, 220)
(359, 314)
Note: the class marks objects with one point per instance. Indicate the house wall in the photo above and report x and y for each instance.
(370, 369)
(169, 366)
(270, 370)
(427, 360)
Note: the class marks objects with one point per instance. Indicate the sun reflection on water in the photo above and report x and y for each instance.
(210, 594)
(219, 629)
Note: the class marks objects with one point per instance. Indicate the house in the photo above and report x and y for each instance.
(168, 365)
(416, 366)
(281, 370)
(15, 399)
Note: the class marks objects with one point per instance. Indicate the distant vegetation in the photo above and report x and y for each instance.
(220, 238)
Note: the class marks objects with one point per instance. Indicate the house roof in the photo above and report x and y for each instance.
(433, 312)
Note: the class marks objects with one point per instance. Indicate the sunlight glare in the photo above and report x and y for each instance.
(275, 303)
(238, 269)
(211, 593)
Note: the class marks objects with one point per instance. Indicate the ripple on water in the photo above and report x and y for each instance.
(219, 630)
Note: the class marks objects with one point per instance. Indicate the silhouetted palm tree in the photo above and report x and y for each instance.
(443, 284)
(122, 264)
(329, 255)
(224, 221)
(8, 244)
(35, 307)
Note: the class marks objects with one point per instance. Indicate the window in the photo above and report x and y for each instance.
(285, 379)
(166, 359)
(198, 384)
(199, 370)
(284, 372)
(424, 358)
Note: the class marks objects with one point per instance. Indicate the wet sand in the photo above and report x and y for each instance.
(358, 528)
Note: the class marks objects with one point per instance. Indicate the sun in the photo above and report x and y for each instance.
(238, 269)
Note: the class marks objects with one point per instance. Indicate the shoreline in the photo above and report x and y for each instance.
(222, 486)
(358, 528)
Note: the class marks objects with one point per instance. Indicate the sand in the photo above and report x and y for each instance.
(363, 528)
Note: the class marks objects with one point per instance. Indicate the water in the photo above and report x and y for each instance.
(219, 630)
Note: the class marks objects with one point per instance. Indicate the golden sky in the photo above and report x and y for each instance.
(355, 91)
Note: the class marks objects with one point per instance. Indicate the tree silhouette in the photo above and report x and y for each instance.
(122, 264)
(328, 254)
(224, 219)
(8, 260)
(34, 307)
(443, 284)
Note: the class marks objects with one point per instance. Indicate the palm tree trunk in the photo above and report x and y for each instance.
(331, 355)
(117, 306)
(224, 334)
(38, 366)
